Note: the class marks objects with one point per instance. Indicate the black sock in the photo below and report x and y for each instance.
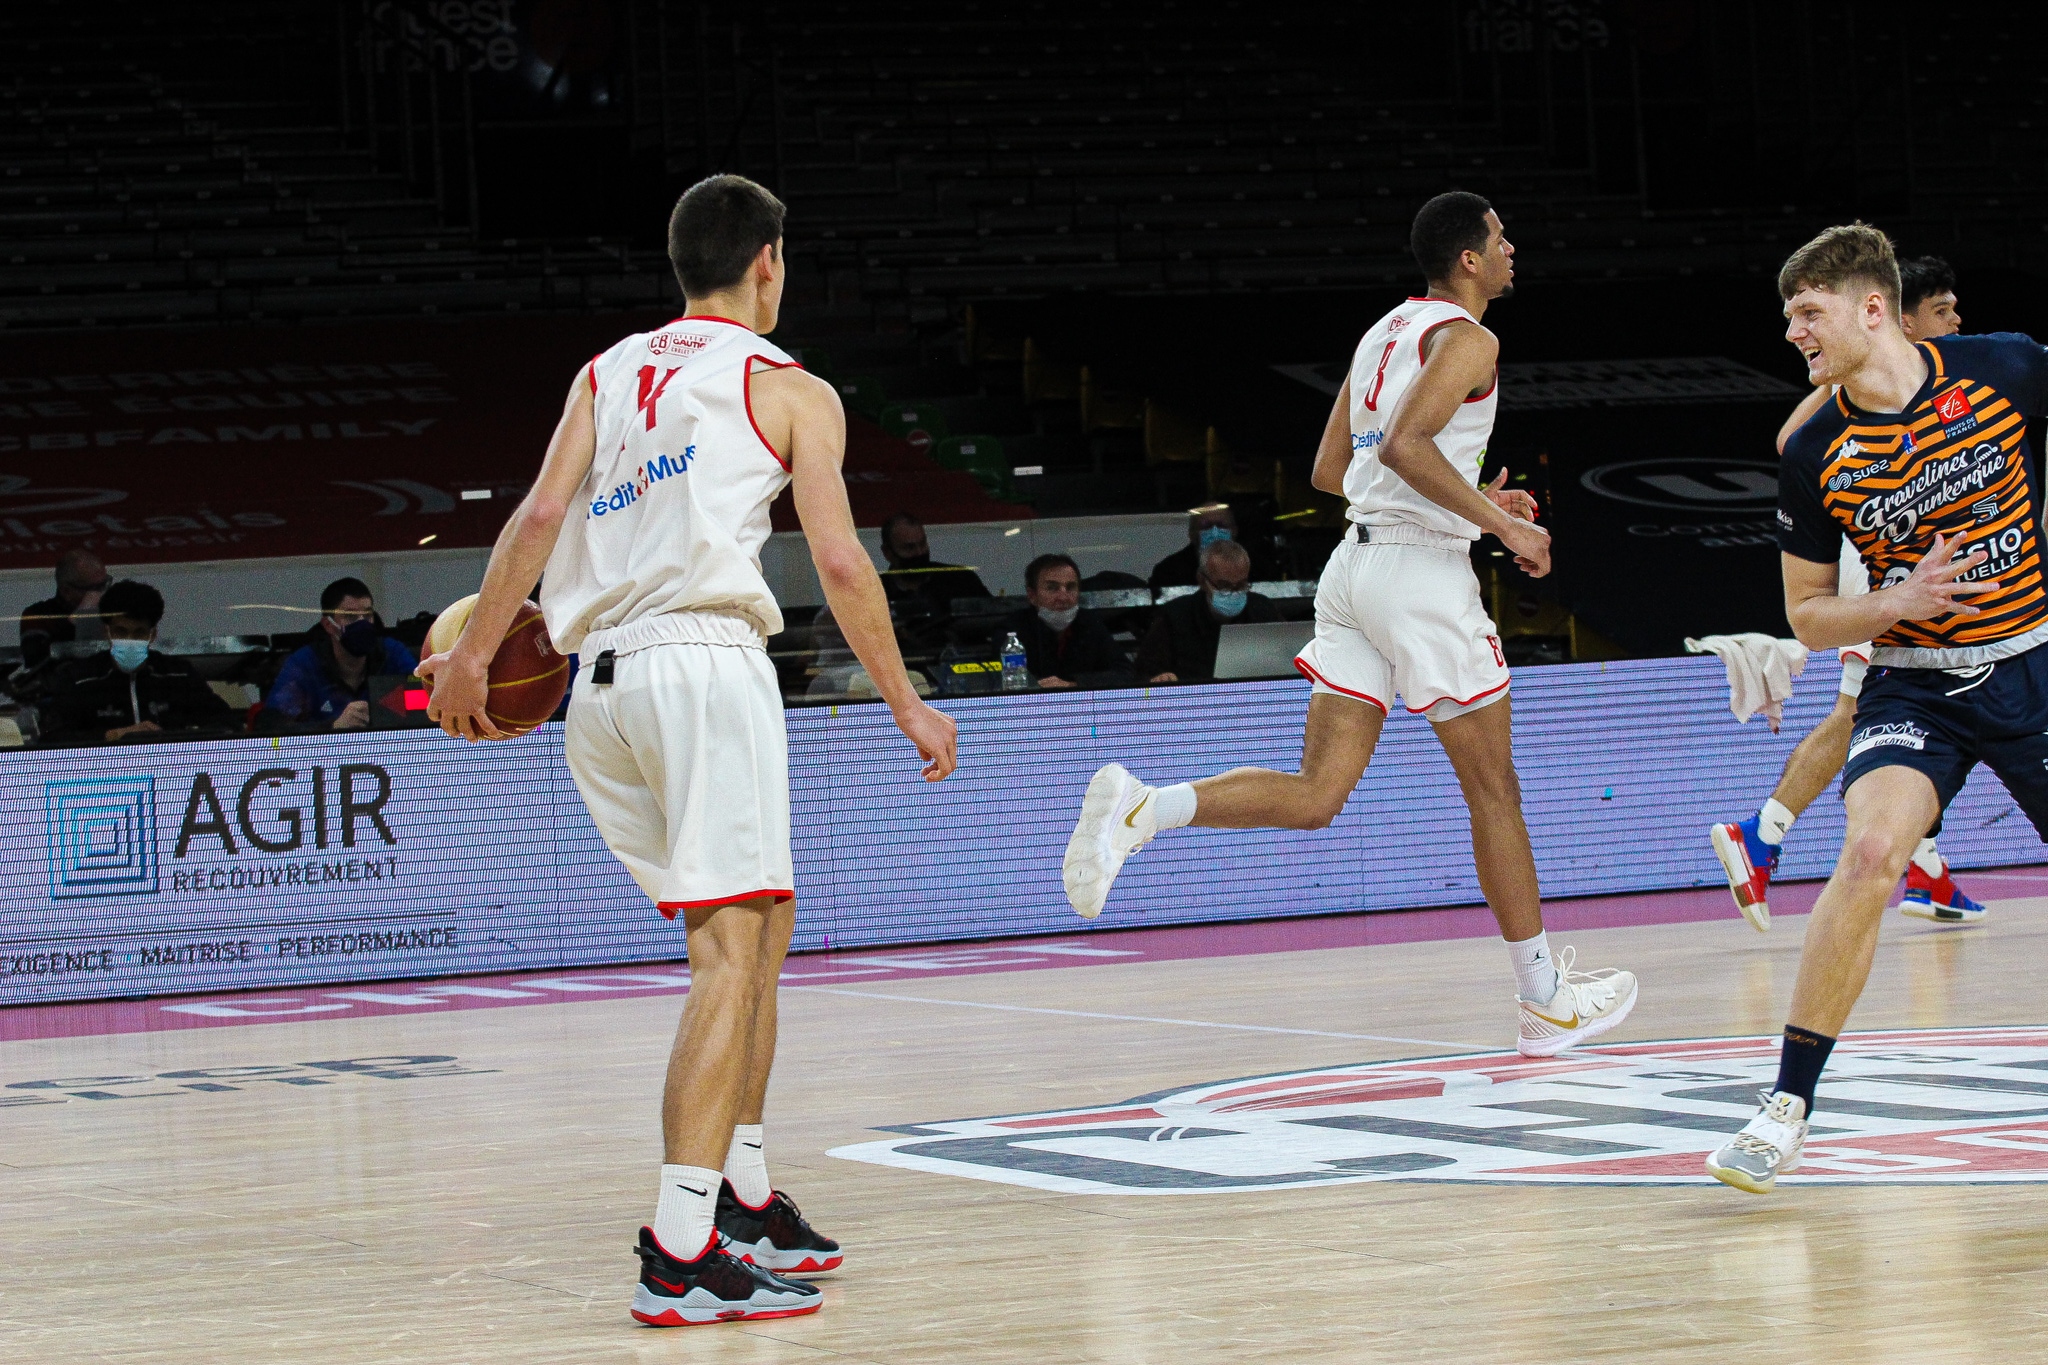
(1800, 1059)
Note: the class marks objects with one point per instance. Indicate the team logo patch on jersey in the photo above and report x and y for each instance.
(1921, 1106)
(1953, 405)
(676, 343)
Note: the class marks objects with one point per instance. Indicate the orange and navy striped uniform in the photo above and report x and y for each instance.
(1955, 463)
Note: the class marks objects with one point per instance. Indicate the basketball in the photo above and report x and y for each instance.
(528, 675)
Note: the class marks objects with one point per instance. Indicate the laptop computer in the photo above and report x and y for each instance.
(1263, 649)
(398, 701)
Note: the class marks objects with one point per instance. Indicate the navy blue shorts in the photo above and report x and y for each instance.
(1944, 722)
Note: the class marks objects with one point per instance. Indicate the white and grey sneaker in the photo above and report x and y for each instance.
(1766, 1148)
(1117, 819)
(1586, 1005)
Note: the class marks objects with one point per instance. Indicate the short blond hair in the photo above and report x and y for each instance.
(1850, 254)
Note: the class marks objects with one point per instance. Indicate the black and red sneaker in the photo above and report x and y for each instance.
(716, 1287)
(774, 1236)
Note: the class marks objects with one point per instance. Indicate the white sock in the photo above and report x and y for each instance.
(1928, 858)
(746, 1166)
(686, 1210)
(1774, 822)
(1174, 806)
(1535, 973)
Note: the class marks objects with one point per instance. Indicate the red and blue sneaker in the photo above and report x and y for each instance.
(1938, 898)
(1749, 863)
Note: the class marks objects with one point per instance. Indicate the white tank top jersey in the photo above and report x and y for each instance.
(1386, 363)
(665, 543)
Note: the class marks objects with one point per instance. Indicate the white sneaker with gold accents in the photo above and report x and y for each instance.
(1117, 819)
(1767, 1147)
(1586, 1005)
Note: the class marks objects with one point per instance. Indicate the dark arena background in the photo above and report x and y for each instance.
(290, 294)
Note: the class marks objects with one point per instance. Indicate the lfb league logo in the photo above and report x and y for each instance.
(101, 837)
(1911, 1107)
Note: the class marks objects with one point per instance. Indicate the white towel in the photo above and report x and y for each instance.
(1760, 672)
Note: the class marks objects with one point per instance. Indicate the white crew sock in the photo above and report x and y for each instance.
(1928, 858)
(1174, 806)
(686, 1211)
(1535, 973)
(746, 1166)
(1774, 822)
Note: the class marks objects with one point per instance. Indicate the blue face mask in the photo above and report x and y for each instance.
(1212, 534)
(128, 654)
(1228, 604)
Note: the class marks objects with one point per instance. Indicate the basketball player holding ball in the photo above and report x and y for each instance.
(648, 518)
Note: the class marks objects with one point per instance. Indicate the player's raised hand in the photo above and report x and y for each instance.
(934, 734)
(1516, 502)
(1530, 545)
(1932, 590)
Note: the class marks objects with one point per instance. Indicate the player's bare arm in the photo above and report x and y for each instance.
(1460, 362)
(1333, 452)
(801, 417)
(1824, 620)
(459, 677)
(1808, 406)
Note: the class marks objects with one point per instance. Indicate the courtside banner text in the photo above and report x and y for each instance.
(351, 857)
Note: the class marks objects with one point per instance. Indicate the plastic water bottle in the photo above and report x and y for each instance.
(1016, 677)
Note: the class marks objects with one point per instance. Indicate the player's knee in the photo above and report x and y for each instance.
(1875, 855)
(1319, 811)
(1493, 790)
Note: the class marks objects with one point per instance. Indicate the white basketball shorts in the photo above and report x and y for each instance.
(1854, 581)
(684, 763)
(1405, 619)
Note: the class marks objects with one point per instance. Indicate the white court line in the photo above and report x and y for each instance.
(1141, 1018)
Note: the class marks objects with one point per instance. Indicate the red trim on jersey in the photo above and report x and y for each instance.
(747, 395)
(1301, 666)
(1431, 298)
(1426, 333)
(1476, 696)
(1858, 654)
(669, 909)
(1489, 388)
(592, 372)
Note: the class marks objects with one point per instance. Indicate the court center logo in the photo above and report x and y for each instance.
(100, 834)
(1688, 485)
(1924, 1106)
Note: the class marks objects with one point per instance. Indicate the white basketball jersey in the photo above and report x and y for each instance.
(1387, 362)
(675, 509)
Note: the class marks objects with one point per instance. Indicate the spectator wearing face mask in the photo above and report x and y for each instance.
(71, 613)
(325, 683)
(1181, 646)
(1206, 526)
(921, 590)
(131, 691)
(1064, 645)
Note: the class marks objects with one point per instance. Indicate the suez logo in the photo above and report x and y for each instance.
(653, 383)
(102, 834)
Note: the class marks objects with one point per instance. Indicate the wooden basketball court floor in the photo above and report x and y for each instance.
(482, 1208)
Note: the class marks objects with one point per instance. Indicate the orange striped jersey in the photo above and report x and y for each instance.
(1954, 463)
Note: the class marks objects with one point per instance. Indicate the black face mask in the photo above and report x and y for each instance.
(360, 638)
